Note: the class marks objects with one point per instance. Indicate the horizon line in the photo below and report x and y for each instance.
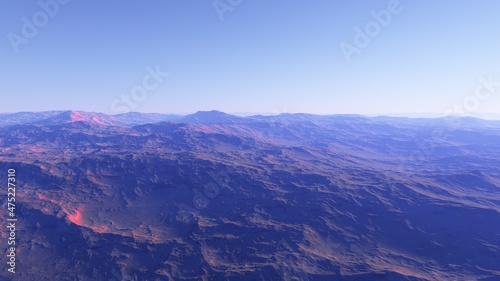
(412, 115)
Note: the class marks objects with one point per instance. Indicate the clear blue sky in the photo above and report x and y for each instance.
(262, 56)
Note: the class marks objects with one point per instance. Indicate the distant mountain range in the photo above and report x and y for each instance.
(213, 196)
(205, 117)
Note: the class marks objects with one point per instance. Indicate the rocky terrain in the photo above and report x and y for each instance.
(211, 196)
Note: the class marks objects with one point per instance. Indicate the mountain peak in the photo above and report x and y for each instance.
(211, 117)
(91, 118)
(210, 113)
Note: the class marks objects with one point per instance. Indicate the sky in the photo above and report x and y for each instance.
(242, 56)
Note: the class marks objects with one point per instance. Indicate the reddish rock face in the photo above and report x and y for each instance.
(212, 196)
